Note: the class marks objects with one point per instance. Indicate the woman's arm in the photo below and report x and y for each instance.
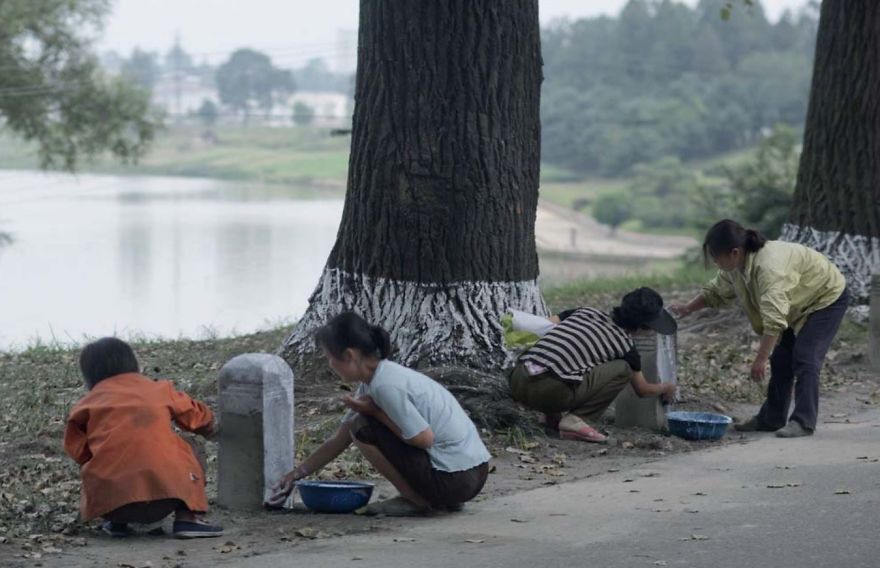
(366, 406)
(759, 367)
(645, 389)
(695, 305)
(326, 452)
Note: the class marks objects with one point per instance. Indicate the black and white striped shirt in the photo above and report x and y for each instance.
(585, 339)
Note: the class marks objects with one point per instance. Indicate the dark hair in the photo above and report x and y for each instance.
(637, 308)
(726, 235)
(350, 331)
(106, 357)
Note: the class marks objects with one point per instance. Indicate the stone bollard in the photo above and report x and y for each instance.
(874, 323)
(256, 429)
(659, 361)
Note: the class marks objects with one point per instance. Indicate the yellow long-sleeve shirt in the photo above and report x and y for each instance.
(780, 286)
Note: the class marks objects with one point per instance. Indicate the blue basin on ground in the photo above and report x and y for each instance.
(335, 496)
(697, 425)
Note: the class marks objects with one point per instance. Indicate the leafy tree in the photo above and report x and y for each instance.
(208, 113)
(662, 194)
(613, 209)
(249, 78)
(53, 91)
(665, 79)
(142, 67)
(763, 187)
(303, 114)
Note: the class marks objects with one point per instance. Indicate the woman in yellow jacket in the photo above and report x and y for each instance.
(795, 299)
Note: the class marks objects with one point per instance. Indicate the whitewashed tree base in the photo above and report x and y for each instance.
(429, 324)
(856, 256)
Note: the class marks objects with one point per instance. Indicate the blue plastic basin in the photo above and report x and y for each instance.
(697, 425)
(334, 496)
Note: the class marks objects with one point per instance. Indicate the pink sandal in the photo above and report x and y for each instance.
(585, 434)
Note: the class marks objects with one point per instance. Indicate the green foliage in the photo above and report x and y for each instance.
(52, 90)
(613, 209)
(662, 194)
(208, 113)
(142, 68)
(763, 188)
(665, 79)
(249, 77)
(303, 114)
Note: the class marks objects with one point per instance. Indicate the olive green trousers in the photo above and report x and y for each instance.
(587, 399)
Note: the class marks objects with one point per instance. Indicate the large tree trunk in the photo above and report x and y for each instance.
(437, 233)
(837, 199)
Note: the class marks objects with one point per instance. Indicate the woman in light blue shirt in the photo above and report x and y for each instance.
(408, 426)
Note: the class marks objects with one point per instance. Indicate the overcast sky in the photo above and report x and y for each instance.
(290, 31)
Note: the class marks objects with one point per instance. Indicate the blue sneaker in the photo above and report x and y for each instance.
(116, 530)
(196, 529)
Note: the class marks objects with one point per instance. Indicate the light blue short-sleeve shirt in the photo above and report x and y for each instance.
(415, 402)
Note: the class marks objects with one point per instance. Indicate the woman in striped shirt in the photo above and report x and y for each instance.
(578, 368)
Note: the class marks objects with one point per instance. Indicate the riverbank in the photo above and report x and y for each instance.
(39, 385)
(312, 156)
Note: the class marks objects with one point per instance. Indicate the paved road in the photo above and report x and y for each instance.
(806, 503)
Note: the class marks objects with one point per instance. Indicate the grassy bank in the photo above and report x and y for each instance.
(270, 155)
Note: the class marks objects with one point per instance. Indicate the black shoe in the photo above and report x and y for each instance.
(753, 424)
(455, 508)
(196, 529)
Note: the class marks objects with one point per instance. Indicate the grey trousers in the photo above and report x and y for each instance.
(796, 361)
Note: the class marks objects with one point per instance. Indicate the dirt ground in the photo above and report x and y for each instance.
(39, 485)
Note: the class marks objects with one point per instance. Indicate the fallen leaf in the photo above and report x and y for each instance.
(526, 458)
(628, 445)
(843, 492)
(659, 563)
(776, 486)
(700, 494)
(475, 540)
(613, 469)
(518, 520)
(404, 539)
(651, 474)
(699, 537)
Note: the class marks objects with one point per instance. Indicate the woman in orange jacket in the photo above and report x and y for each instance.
(134, 467)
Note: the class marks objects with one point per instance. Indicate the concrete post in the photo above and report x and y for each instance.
(874, 323)
(256, 429)
(659, 364)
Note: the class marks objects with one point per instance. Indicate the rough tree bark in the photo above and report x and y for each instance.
(437, 233)
(836, 206)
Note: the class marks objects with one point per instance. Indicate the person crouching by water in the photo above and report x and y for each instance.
(795, 299)
(574, 372)
(134, 467)
(409, 427)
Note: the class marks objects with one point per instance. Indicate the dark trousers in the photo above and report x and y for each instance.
(796, 361)
(439, 488)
